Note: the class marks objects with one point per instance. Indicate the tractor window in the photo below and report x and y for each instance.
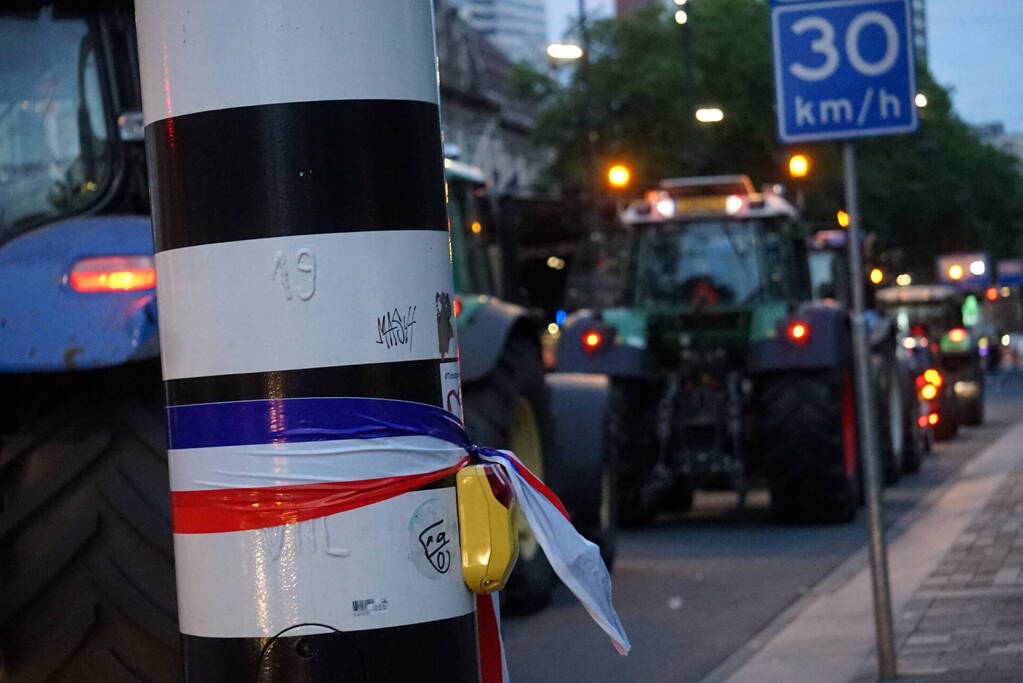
(710, 262)
(54, 147)
(934, 317)
(783, 275)
(470, 237)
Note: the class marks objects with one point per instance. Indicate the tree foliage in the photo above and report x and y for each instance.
(938, 190)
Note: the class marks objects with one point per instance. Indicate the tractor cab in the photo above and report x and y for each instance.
(712, 258)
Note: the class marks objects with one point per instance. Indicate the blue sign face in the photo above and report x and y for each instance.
(843, 69)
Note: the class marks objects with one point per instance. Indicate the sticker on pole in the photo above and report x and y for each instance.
(451, 388)
(843, 69)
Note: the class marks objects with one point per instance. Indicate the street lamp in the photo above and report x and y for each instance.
(843, 218)
(681, 17)
(709, 115)
(920, 100)
(564, 51)
(618, 176)
(799, 165)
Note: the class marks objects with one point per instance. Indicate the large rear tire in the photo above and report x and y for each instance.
(950, 417)
(632, 449)
(509, 409)
(892, 420)
(807, 436)
(86, 557)
(973, 407)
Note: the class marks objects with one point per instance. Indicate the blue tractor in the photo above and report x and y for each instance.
(86, 555)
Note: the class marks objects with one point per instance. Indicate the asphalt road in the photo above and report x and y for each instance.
(693, 589)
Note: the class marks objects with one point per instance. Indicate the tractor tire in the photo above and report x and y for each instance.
(601, 526)
(892, 420)
(973, 408)
(509, 409)
(951, 417)
(632, 448)
(916, 437)
(86, 557)
(808, 437)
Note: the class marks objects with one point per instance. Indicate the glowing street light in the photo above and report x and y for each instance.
(799, 165)
(843, 218)
(681, 17)
(618, 176)
(564, 51)
(876, 276)
(709, 115)
(920, 100)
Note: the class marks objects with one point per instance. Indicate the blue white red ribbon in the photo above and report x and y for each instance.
(282, 461)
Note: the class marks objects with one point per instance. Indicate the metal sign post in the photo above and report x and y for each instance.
(885, 630)
(304, 275)
(844, 69)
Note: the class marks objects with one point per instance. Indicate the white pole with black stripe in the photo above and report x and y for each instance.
(302, 254)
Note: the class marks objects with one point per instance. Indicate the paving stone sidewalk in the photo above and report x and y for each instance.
(965, 622)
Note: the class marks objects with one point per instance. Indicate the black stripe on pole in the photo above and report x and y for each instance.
(417, 653)
(417, 381)
(334, 166)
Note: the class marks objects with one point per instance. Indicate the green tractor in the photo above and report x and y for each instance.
(724, 369)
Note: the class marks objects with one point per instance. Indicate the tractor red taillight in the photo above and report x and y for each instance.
(592, 341)
(798, 331)
(113, 274)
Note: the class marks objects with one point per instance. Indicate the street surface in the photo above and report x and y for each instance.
(693, 589)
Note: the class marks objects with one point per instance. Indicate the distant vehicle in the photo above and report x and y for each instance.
(724, 369)
(934, 315)
(85, 537)
(967, 271)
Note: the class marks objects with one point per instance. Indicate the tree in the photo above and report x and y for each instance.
(938, 190)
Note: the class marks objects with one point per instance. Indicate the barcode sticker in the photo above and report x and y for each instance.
(361, 608)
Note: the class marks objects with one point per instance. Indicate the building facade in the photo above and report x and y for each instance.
(995, 135)
(479, 112)
(518, 28)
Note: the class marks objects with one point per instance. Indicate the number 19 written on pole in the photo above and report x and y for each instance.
(843, 69)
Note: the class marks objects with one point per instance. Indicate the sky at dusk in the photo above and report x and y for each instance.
(976, 48)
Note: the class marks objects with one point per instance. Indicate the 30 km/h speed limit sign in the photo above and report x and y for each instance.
(843, 69)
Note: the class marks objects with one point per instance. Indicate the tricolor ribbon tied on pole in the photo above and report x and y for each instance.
(284, 461)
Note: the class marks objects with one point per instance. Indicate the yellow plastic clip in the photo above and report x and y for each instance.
(486, 527)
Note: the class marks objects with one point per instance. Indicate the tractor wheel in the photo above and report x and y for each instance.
(601, 526)
(632, 448)
(916, 437)
(973, 407)
(892, 417)
(950, 417)
(808, 437)
(86, 557)
(509, 409)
